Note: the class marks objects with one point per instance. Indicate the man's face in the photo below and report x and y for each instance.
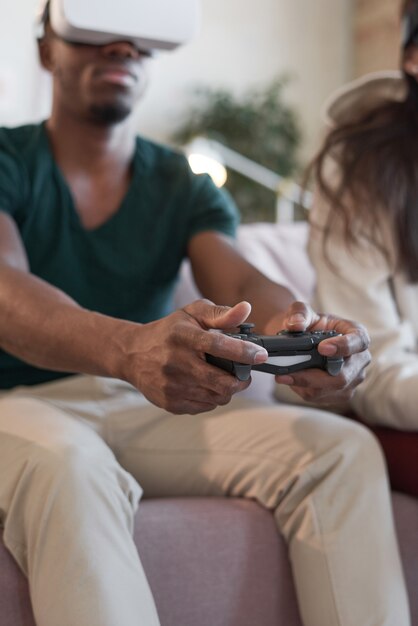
(99, 83)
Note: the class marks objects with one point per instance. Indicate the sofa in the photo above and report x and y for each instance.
(220, 562)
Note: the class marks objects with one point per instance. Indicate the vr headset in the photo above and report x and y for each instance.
(148, 24)
(410, 28)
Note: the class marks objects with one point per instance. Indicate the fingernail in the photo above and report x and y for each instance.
(329, 349)
(260, 356)
(297, 318)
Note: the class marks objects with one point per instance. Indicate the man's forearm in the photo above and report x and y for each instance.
(42, 326)
(269, 302)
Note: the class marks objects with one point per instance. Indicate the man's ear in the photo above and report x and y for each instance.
(45, 54)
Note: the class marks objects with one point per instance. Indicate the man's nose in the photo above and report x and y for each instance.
(121, 50)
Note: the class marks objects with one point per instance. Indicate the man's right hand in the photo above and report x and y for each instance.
(166, 359)
(42, 326)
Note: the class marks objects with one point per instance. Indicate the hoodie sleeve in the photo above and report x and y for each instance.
(363, 285)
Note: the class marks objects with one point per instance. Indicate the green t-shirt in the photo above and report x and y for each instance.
(127, 267)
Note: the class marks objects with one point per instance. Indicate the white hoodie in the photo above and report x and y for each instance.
(369, 287)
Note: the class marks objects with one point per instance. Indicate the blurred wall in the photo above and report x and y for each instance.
(242, 44)
(23, 87)
(376, 35)
(245, 43)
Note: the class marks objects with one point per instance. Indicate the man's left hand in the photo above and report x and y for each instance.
(315, 385)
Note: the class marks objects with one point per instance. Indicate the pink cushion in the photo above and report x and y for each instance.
(214, 561)
(209, 562)
(277, 250)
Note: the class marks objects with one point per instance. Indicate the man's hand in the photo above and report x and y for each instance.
(166, 360)
(314, 385)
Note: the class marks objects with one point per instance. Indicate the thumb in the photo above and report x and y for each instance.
(210, 315)
(300, 316)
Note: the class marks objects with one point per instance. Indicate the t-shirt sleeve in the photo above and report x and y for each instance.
(211, 208)
(12, 182)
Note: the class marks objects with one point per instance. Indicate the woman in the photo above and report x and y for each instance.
(364, 228)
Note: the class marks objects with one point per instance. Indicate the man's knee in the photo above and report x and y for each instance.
(344, 440)
(343, 472)
(71, 482)
(348, 471)
(42, 444)
(360, 448)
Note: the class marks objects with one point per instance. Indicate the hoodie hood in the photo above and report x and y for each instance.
(362, 95)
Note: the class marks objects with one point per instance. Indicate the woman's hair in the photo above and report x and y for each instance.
(407, 5)
(377, 157)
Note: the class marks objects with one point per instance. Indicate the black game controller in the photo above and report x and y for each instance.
(288, 352)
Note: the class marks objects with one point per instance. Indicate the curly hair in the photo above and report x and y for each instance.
(377, 156)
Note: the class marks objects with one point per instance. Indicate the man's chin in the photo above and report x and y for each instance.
(109, 114)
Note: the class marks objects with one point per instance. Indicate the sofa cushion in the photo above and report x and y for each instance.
(215, 561)
(277, 250)
(209, 561)
(406, 520)
(401, 452)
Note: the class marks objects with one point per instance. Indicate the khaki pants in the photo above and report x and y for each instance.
(74, 452)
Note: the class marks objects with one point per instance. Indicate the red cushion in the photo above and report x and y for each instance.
(401, 451)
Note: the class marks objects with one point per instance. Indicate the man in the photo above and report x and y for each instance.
(94, 223)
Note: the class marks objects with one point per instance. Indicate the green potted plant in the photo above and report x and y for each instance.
(259, 125)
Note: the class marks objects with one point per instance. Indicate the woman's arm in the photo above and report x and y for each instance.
(360, 285)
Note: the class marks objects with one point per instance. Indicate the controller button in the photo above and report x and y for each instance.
(246, 329)
(242, 371)
(334, 365)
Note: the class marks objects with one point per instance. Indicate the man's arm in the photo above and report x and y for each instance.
(43, 326)
(164, 359)
(223, 275)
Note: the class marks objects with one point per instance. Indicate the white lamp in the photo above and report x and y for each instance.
(211, 157)
(204, 160)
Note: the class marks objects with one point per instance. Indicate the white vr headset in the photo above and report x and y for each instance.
(148, 24)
